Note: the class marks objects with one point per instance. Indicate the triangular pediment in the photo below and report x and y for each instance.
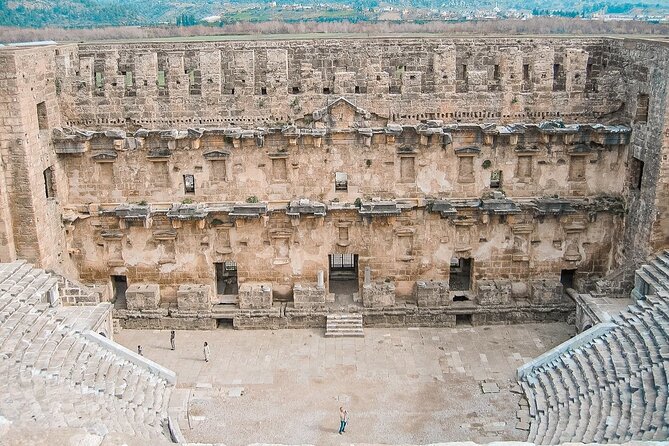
(344, 114)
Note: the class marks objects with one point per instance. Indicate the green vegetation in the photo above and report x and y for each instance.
(186, 13)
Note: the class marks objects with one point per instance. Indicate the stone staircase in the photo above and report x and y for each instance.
(614, 388)
(344, 325)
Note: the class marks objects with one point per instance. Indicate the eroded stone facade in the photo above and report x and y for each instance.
(474, 179)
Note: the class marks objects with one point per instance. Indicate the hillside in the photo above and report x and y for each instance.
(99, 13)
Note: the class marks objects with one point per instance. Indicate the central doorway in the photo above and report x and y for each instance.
(227, 288)
(343, 273)
(460, 275)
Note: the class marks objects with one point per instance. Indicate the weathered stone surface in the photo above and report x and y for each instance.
(140, 296)
(494, 292)
(378, 294)
(546, 291)
(255, 295)
(309, 295)
(432, 293)
(194, 297)
(551, 174)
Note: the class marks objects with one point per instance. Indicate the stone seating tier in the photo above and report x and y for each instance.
(51, 374)
(614, 388)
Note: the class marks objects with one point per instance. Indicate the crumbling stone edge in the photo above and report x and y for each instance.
(570, 344)
(167, 374)
(173, 426)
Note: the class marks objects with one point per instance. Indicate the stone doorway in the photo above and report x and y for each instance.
(227, 287)
(461, 274)
(119, 287)
(343, 275)
(567, 278)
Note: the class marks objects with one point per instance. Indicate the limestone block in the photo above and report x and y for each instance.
(520, 290)
(309, 295)
(255, 295)
(494, 292)
(378, 294)
(546, 291)
(143, 296)
(432, 293)
(194, 297)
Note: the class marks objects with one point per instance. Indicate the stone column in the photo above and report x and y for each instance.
(321, 283)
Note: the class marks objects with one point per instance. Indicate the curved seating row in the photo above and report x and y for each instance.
(52, 375)
(614, 388)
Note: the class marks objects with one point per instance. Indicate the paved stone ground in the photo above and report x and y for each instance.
(400, 385)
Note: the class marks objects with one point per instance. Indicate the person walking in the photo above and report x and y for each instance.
(173, 335)
(206, 352)
(343, 419)
(139, 350)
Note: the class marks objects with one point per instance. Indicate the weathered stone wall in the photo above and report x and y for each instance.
(643, 67)
(31, 225)
(417, 244)
(277, 167)
(406, 120)
(248, 83)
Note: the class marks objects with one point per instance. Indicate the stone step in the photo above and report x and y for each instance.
(344, 325)
(345, 333)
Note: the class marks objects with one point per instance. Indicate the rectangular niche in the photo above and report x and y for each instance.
(524, 168)
(279, 170)
(218, 170)
(466, 169)
(577, 168)
(408, 169)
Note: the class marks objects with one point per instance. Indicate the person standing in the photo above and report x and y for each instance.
(139, 350)
(173, 335)
(206, 352)
(343, 419)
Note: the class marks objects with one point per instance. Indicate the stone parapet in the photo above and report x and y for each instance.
(378, 294)
(255, 295)
(432, 293)
(309, 295)
(546, 291)
(193, 297)
(143, 296)
(494, 292)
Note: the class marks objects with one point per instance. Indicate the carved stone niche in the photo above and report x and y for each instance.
(463, 235)
(343, 227)
(521, 242)
(405, 237)
(165, 239)
(280, 238)
(573, 232)
(223, 244)
(113, 247)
